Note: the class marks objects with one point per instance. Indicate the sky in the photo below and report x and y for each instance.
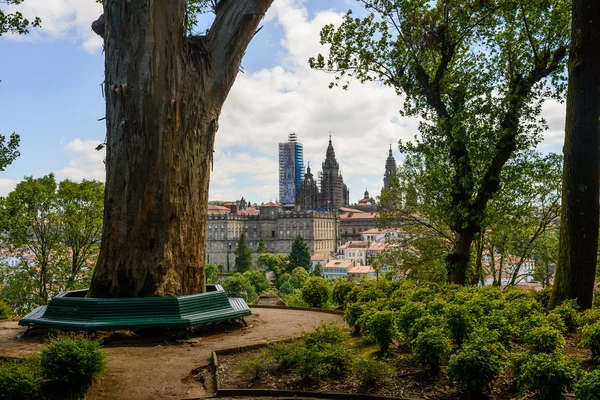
(50, 94)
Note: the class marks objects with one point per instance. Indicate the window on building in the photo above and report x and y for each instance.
(272, 234)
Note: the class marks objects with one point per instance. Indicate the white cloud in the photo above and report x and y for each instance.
(85, 162)
(7, 186)
(264, 106)
(62, 19)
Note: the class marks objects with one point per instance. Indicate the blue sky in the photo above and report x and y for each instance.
(50, 94)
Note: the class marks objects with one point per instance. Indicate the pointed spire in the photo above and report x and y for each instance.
(390, 148)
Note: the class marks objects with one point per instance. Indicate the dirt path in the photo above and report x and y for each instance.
(144, 369)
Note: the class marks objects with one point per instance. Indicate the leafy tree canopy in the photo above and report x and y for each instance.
(16, 22)
(300, 254)
(243, 255)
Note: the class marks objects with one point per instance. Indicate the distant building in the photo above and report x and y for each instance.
(334, 193)
(337, 268)
(354, 222)
(291, 170)
(390, 169)
(277, 227)
(360, 271)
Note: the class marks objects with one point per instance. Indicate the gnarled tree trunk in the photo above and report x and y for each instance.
(164, 93)
(578, 244)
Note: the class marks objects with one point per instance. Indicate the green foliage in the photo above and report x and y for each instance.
(459, 322)
(368, 372)
(253, 369)
(548, 375)
(353, 313)
(15, 23)
(294, 299)
(425, 322)
(473, 369)
(243, 255)
(9, 151)
(258, 280)
(298, 277)
(286, 355)
(341, 289)
(588, 387)
(300, 254)
(262, 246)
(211, 272)
(4, 310)
(590, 337)
(543, 296)
(569, 312)
(326, 333)
(407, 315)
(319, 271)
(588, 317)
(273, 262)
(380, 327)
(545, 339)
(20, 379)
(316, 292)
(74, 362)
(238, 285)
(431, 347)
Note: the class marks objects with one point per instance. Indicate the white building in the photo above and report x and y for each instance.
(337, 268)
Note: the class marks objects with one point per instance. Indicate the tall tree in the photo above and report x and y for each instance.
(579, 219)
(300, 255)
(262, 246)
(243, 255)
(15, 22)
(81, 206)
(477, 73)
(9, 151)
(164, 93)
(34, 229)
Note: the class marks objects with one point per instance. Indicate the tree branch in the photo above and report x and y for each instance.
(228, 38)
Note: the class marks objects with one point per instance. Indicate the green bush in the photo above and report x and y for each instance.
(497, 322)
(352, 315)
(380, 327)
(407, 315)
(258, 280)
(315, 292)
(341, 289)
(569, 312)
(425, 322)
(72, 361)
(459, 322)
(590, 337)
(547, 375)
(294, 299)
(473, 368)
(543, 296)
(588, 317)
(545, 339)
(431, 347)
(286, 355)
(588, 387)
(327, 361)
(4, 310)
(326, 333)
(557, 322)
(369, 372)
(239, 285)
(20, 379)
(253, 369)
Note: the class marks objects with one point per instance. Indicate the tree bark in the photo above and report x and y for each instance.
(164, 93)
(457, 262)
(579, 215)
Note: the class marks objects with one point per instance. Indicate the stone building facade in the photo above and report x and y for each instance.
(276, 227)
(390, 169)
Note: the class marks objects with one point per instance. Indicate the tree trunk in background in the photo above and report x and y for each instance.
(579, 215)
(164, 93)
(457, 262)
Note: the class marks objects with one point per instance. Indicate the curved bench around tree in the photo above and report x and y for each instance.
(73, 311)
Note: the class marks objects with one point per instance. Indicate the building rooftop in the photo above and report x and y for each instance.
(340, 264)
(361, 269)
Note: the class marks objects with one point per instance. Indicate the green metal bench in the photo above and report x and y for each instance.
(73, 311)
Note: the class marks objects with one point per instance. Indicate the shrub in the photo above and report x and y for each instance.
(286, 355)
(4, 310)
(588, 317)
(497, 322)
(258, 280)
(341, 289)
(315, 292)
(555, 321)
(590, 337)
(543, 296)
(20, 379)
(381, 328)
(407, 315)
(72, 361)
(545, 339)
(368, 371)
(548, 375)
(239, 285)
(352, 314)
(329, 360)
(588, 388)
(459, 322)
(425, 322)
(326, 333)
(253, 369)
(474, 369)
(569, 312)
(300, 275)
(294, 300)
(431, 347)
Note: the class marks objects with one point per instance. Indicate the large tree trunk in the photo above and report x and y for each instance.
(457, 262)
(579, 215)
(164, 93)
